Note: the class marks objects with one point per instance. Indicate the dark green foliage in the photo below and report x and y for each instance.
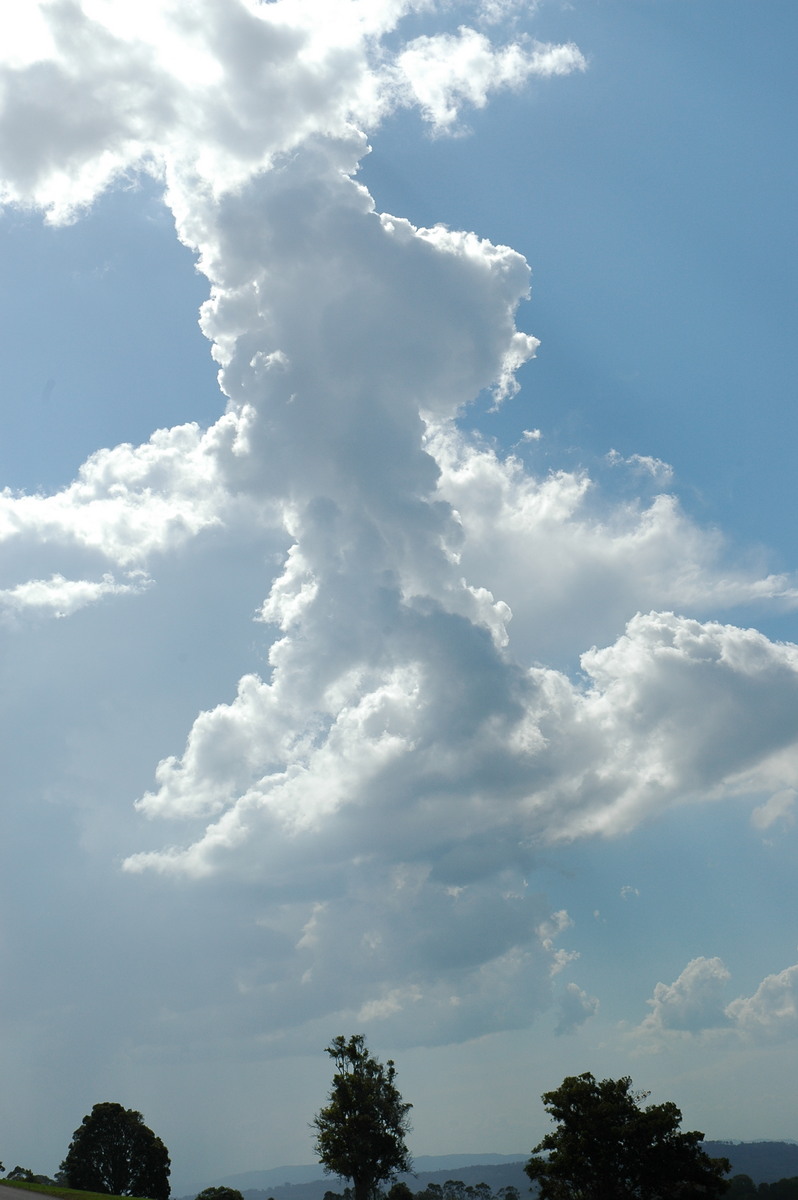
(741, 1187)
(782, 1189)
(457, 1189)
(399, 1191)
(360, 1133)
(607, 1147)
(114, 1152)
(433, 1191)
(220, 1193)
(25, 1175)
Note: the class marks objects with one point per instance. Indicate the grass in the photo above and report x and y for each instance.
(65, 1193)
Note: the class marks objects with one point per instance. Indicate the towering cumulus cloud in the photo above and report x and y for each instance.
(383, 780)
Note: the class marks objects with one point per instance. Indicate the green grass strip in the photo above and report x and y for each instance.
(65, 1193)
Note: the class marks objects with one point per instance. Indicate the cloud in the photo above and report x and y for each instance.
(644, 464)
(771, 1013)
(129, 503)
(624, 557)
(693, 1002)
(442, 73)
(778, 808)
(694, 1005)
(575, 1007)
(445, 790)
(215, 92)
(60, 597)
(393, 742)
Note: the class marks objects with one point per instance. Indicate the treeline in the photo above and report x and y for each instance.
(25, 1175)
(742, 1187)
(452, 1189)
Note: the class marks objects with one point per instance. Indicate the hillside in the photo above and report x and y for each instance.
(765, 1162)
(310, 1183)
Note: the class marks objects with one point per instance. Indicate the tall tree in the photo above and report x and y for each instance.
(606, 1147)
(114, 1152)
(360, 1133)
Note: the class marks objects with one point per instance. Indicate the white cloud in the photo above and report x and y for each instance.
(395, 749)
(771, 1013)
(210, 94)
(394, 767)
(494, 11)
(691, 1003)
(575, 1007)
(645, 464)
(667, 715)
(444, 72)
(60, 597)
(779, 807)
(130, 502)
(694, 1006)
(597, 562)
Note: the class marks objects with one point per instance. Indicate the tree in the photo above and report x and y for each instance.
(114, 1152)
(607, 1147)
(741, 1187)
(782, 1189)
(25, 1175)
(220, 1193)
(360, 1133)
(508, 1193)
(399, 1191)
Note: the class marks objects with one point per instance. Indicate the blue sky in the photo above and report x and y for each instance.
(356, 699)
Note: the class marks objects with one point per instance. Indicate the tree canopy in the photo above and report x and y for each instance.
(607, 1147)
(114, 1152)
(220, 1193)
(360, 1133)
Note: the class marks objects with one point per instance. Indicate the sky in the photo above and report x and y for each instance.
(398, 588)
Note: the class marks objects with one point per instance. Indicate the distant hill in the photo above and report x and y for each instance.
(310, 1183)
(765, 1162)
(277, 1176)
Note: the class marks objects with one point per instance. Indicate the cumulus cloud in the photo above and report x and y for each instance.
(695, 1005)
(771, 1013)
(627, 557)
(398, 768)
(130, 502)
(214, 92)
(692, 1002)
(387, 766)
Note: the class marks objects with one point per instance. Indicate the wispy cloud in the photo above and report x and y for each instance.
(445, 72)
(60, 597)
